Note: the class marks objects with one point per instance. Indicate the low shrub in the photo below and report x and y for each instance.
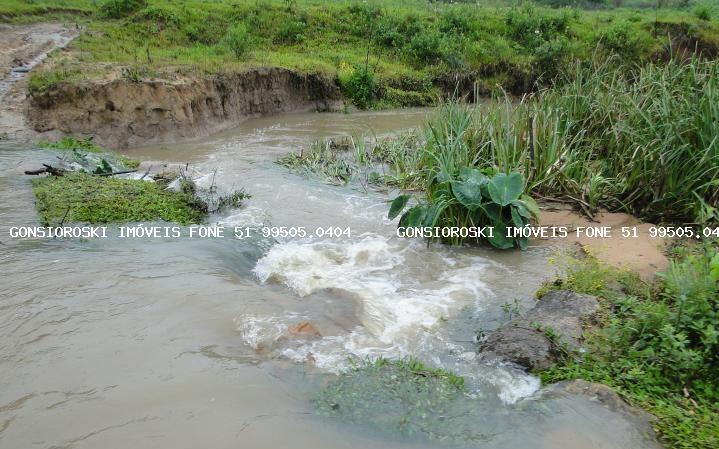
(703, 12)
(290, 31)
(425, 47)
(117, 9)
(360, 86)
(531, 27)
(238, 40)
(622, 39)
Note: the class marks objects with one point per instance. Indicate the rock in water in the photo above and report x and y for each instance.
(304, 329)
(640, 420)
(535, 341)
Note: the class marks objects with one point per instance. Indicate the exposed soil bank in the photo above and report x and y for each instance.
(123, 113)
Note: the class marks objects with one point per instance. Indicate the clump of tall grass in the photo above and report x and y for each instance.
(326, 157)
(387, 161)
(645, 140)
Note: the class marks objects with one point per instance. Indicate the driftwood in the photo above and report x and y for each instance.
(47, 169)
(124, 172)
(59, 171)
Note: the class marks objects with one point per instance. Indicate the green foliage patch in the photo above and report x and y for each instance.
(657, 345)
(470, 198)
(443, 42)
(86, 198)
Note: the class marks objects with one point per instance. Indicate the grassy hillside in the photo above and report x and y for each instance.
(384, 52)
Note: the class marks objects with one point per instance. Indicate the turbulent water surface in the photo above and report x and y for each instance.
(187, 343)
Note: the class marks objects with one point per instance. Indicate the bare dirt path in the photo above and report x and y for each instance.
(22, 48)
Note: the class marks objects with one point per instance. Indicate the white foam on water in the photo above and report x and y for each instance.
(260, 332)
(404, 292)
(248, 215)
(392, 303)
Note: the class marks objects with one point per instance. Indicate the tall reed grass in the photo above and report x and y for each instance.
(644, 140)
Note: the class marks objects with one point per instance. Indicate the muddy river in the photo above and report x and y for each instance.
(187, 343)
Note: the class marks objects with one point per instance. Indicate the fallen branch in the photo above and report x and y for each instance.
(146, 173)
(48, 169)
(124, 172)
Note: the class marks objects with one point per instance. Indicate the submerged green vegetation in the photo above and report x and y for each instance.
(656, 344)
(402, 396)
(382, 53)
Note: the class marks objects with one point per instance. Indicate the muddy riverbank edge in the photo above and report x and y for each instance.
(123, 113)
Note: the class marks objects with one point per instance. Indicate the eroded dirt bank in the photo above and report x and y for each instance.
(122, 113)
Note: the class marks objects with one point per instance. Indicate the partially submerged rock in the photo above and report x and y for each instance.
(640, 420)
(541, 338)
(304, 329)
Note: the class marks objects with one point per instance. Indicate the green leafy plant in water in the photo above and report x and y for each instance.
(472, 199)
(103, 168)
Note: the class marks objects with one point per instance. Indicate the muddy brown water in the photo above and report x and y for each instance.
(184, 343)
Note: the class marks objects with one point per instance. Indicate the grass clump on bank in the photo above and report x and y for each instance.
(86, 198)
(657, 345)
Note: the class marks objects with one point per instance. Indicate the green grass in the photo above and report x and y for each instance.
(35, 10)
(86, 198)
(87, 192)
(657, 345)
(411, 50)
